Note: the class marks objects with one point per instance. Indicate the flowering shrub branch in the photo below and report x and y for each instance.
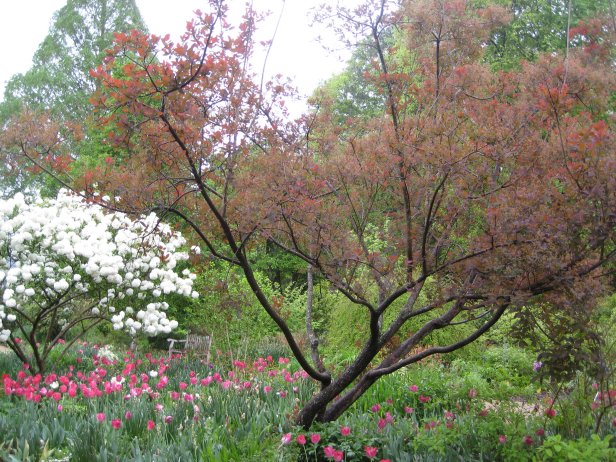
(66, 265)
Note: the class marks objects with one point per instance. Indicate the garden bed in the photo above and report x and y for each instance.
(103, 405)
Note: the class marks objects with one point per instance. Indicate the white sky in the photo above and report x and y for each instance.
(295, 53)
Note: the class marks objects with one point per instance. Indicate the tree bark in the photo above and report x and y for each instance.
(312, 337)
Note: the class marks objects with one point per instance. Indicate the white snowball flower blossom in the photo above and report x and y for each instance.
(66, 249)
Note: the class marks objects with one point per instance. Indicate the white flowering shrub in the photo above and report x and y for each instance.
(68, 264)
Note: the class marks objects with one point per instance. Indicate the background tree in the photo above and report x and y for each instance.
(59, 81)
(471, 193)
(539, 26)
(353, 89)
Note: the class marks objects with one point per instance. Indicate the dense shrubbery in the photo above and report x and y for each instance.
(227, 306)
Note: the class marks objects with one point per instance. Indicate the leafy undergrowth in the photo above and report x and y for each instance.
(105, 407)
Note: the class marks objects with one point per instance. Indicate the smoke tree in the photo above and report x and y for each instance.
(67, 266)
(470, 194)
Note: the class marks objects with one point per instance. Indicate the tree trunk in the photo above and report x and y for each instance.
(312, 337)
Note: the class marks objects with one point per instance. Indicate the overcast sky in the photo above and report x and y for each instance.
(295, 53)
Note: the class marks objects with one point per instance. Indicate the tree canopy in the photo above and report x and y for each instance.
(59, 80)
(539, 26)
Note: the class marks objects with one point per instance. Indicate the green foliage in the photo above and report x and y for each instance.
(59, 82)
(357, 92)
(267, 346)
(352, 92)
(281, 268)
(9, 363)
(595, 449)
(59, 79)
(500, 372)
(227, 307)
(537, 26)
(346, 328)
